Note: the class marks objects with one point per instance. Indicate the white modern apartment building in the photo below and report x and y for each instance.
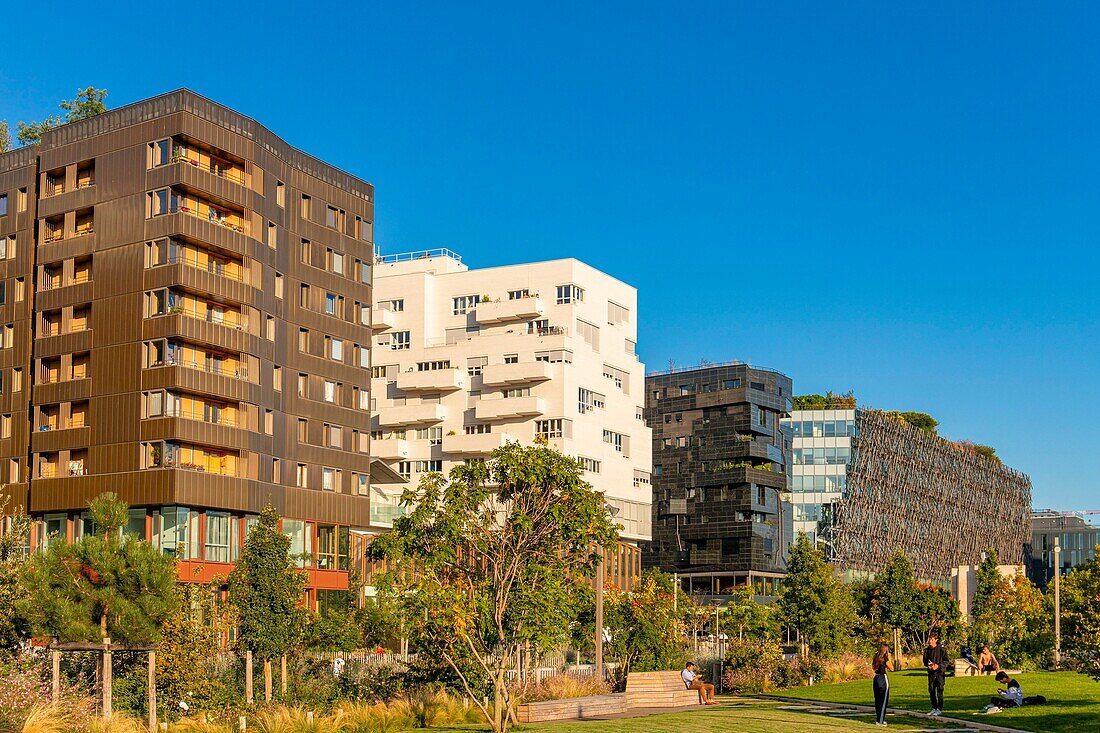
(466, 360)
(822, 450)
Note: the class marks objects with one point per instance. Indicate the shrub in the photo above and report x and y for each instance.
(846, 667)
(376, 718)
(431, 707)
(373, 681)
(751, 666)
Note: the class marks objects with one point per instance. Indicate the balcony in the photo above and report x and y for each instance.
(390, 449)
(233, 371)
(382, 319)
(399, 415)
(494, 375)
(210, 164)
(436, 380)
(521, 309)
(509, 407)
(229, 319)
(481, 444)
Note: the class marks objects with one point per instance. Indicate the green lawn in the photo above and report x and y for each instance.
(1073, 700)
(741, 716)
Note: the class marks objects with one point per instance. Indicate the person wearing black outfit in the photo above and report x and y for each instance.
(881, 664)
(935, 661)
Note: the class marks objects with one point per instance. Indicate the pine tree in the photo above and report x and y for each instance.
(266, 590)
(104, 585)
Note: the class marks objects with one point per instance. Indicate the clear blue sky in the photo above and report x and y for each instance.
(899, 202)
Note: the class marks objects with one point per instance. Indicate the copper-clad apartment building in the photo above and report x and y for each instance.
(185, 321)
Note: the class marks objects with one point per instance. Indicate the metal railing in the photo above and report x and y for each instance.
(235, 373)
(198, 416)
(215, 268)
(213, 216)
(704, 364)
(179, 310)
(76, 279)
(227, 172)
(422, 254)
(54, 189)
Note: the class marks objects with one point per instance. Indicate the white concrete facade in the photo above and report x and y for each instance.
(465, 360)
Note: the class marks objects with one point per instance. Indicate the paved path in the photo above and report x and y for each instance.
(836, 709)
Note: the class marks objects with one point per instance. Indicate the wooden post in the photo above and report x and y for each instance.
(897, 648)
(152, 691)
(55, 658)
(107, 678)
(267, 680)
(282, 675)
(248, 677)
(242, 723)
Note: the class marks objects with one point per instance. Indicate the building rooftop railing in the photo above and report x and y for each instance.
(709, 365)
(422, 254)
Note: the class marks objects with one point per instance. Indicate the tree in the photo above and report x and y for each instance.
(5, 136)
(104, 585)
(920, 420)
(827, 401)
(814, 601)
(933, 610)
(747, 617)
(647, 630)
(498, 547)
(893, 605)
(1081, 617)
(266, 589)
(1015, 618)
(13, 558)
(986, 577)
(88, 103)
(189, 638)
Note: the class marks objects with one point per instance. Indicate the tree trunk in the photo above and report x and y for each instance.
(152, 691)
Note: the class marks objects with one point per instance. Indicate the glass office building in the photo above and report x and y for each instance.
(821, 454)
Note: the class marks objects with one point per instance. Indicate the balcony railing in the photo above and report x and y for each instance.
(76, 279)
(422, 254)
(222, 171)
(192, 312)
(55, 189)
(216, 268)
(170, 463)
(221, 370)
(199, 416)
(211, 216)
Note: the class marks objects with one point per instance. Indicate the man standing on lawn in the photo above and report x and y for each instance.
(935, 661)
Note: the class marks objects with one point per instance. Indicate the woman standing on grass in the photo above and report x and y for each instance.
(881, 664)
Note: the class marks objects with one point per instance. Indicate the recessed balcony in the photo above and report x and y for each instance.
(390, 449)
(436, 380)
(479, 444)
(399, 415)
(494, 375)
(520, 309)
(509, 407)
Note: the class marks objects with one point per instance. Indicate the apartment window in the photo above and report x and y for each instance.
(277, 378)
(334, 434)
(570, 294)
(217, 536)
(307, 207)
(303, 340)
(434, 436)
(278, 285)
(549, 428)
(590, 333)
(336, 262)
(397, 306)
(17, 379)
(363, 401)
(330, 304)
(731, 384)
(518, 294)
(303, 295)
(433, 366)
(364, 272)
(620, 378)
(511, 358)
(5, 426)
(330, 479)
(272, 234)
(556, 356)
(3, 204)
(478, 429)
(617, 314)
(22, 199)
(330, 391)
(364, 356)
(330, 216)
(475, 364)
(336, 349)
(587, 400)
(305, 252)
(280, 194)
(269, 421)
(380, 372)
(301, 476)
(615, 440)
(362, 229)
(400, 340)
(591, 465)
(270, 328)
(7, 247)
(463, 303)
(303, 385)
(517, 392)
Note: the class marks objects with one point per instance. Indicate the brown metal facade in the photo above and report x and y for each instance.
(186, 323)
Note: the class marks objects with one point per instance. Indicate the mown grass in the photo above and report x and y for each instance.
(1073, 699)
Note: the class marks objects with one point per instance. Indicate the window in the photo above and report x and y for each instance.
(272, 234)
(277, 378)
(518, 294)
(475, 364)
(511, 358)
(396, 306)
(278, 285)
(330, 304)
(270, 328)
(334, 435)
(303, 430)
(463, 303)
(336, 349)
(512, 392)
(731, 384)
(590, 465)
(557, 356)
(590, 333)
(303, 340)
(217, 536)
(336, 262)
(301, 477)
(434, 436)
(269, 421)
(303, 295)
(617, 314)
(615, 440)
(618, 376)
(331, 216)
(7, 247)
(3, 204)
(587, 400)
(330, 391)
(400, 340)
(280, 194)
(570, 294)
(303, 385)
(478, 429)
(305, 252)
(433, 366)
(549, 428)
(307, 207)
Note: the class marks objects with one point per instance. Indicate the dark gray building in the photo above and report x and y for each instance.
(1077, 538)
(720, 458)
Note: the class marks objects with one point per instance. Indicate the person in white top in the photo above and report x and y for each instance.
(692, 682)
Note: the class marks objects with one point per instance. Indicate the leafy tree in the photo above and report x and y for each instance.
(266, 589)
(334, 629)
(1081, 617)
(5, 136)
(647, 632)
(827, 401)
(894, 593)
(497, 547)
(933, 610)
(104, 585)
(744, 616)
(189, 639)
(814, 601)
(88, 103)
(920, 420)
(1015, 618)
(13, 558)
(986, 577)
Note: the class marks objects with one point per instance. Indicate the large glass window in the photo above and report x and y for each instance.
(217, 537)
(301, 545)
(172, 532)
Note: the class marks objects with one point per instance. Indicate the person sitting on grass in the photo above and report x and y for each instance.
(1010, 696)
(692, 681)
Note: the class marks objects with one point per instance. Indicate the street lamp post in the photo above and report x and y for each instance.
(1057, 603)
